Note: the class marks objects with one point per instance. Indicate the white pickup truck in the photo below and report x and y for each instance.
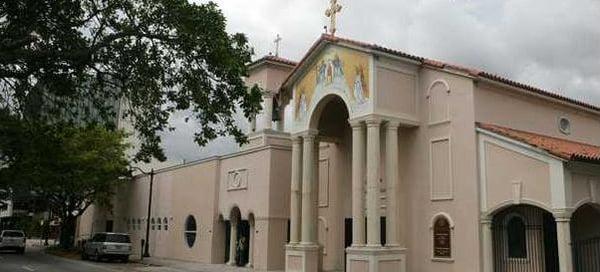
(13, 240)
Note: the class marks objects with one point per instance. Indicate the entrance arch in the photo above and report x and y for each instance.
(524, 239)
(585, 237)
(237, 239)
(356, 144)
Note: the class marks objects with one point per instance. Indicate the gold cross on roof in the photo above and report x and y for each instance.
(331, 12)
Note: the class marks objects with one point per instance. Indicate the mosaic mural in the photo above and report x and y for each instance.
(337, 70)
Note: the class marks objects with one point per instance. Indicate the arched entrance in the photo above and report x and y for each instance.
(237, 239)
(334, 182)
(586, 238)
(362, 147)
(524, 239)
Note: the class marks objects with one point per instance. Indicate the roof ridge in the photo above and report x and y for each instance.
(536, 134)
(441, 64)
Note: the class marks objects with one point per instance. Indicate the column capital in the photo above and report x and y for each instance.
(562, 215)
(296, 139)
(373, 122)
(392, 124)
(356, 124)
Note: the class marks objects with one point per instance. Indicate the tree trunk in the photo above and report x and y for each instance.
(67, 233)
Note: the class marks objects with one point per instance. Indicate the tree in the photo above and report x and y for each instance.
(152, 57)
(69, 167)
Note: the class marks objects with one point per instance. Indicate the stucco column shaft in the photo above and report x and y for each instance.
(295, 196)
(487, 244)
(563, 234)
(391, 173)
(373, 206)
(309, 217)
(251, 247)
(267, 110)
(232, 243)
(358, 170)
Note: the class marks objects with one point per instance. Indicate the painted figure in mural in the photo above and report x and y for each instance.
(338, 72)
(329, 72)
(359, 86)
(321, 72)
(302, 105)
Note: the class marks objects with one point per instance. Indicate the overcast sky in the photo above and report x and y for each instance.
(552, 44)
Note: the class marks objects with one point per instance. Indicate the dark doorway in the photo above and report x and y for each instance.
(243, 242)
(550, 243)
(347, 236)
(227, 239)
(109, 226)
(347, 232)
(383, 230)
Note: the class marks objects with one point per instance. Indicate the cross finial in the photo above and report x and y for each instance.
(331, 12)
(277, 41)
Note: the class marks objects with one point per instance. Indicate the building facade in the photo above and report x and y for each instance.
(370, 159)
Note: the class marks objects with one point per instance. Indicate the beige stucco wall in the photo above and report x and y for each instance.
(508, 108)
(513, 177)
(416, 204)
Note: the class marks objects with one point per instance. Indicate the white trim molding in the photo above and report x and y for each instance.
(450, 195)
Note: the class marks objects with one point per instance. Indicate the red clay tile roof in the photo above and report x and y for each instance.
(438, 64)
(565, 149)
(276, 59)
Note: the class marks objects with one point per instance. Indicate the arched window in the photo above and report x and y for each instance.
(166, 223)
(516, 237)
(139, 223)
(152, 223)
(190, 230)
(442, 238)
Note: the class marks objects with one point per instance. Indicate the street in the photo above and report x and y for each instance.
(35, 259)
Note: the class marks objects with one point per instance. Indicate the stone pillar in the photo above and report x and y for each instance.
(563, 234)
(391, 174)
(358, 164)
(487, 244)
(251, 246)
(267, 110)
(309, 186)
(373, 202)
(295, 197)
(232, 242)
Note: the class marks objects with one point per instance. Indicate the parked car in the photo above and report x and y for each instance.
(107, 245)
(13, 240)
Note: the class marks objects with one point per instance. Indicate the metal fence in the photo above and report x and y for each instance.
(586, 255)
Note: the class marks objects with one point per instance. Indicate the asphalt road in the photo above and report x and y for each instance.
(35, 259)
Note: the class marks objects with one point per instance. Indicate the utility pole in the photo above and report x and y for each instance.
(146, 246)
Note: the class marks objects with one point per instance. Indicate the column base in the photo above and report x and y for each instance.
(375, 259)
(302, 258)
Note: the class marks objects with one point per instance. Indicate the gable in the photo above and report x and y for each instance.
(336, 68)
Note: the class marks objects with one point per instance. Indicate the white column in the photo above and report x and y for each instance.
(358, 187)
(232, 242)
(391, 174)
(267, 110)
(309, 201)
(487, 245)
(563, 234)
(251, 246)
(295, 197)
(373, 206)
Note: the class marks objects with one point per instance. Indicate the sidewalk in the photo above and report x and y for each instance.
(184, 266)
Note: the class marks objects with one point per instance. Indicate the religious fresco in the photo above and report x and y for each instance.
(338, 70)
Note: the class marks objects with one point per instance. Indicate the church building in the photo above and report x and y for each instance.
(366, 158)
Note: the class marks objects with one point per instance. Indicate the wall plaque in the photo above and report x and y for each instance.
(237, 179)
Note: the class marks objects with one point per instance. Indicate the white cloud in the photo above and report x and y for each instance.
(552, 44)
